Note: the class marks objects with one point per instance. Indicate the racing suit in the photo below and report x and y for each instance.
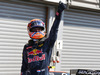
(36, 56)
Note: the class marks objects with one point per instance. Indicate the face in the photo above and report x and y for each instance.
(36, 29)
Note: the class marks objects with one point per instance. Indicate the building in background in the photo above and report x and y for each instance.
(78, 38)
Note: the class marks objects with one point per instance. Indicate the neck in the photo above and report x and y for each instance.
(36, 40)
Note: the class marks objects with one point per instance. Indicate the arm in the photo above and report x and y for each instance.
(54, 30)
(24, 62)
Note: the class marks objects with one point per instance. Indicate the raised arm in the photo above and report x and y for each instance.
(54, 29)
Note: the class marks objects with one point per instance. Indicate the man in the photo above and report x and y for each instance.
(37, 53)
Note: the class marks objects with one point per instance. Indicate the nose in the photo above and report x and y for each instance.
(37, 30)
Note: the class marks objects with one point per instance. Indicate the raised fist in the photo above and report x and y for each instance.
(61, 7)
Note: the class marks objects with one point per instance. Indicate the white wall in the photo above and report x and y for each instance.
(94, 4)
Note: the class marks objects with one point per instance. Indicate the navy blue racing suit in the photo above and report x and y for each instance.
(36, 57)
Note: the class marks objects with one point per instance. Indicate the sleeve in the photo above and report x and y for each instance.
(24, 66)
(54, 29)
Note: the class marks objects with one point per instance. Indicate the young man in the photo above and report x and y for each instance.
(37, 53)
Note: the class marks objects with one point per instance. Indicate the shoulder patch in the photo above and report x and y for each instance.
(40, 45)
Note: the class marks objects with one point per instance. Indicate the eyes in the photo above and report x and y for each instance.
(35, 30)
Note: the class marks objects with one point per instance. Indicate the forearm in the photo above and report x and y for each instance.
(54, 30)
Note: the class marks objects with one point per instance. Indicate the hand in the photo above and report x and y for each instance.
(61, 7)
